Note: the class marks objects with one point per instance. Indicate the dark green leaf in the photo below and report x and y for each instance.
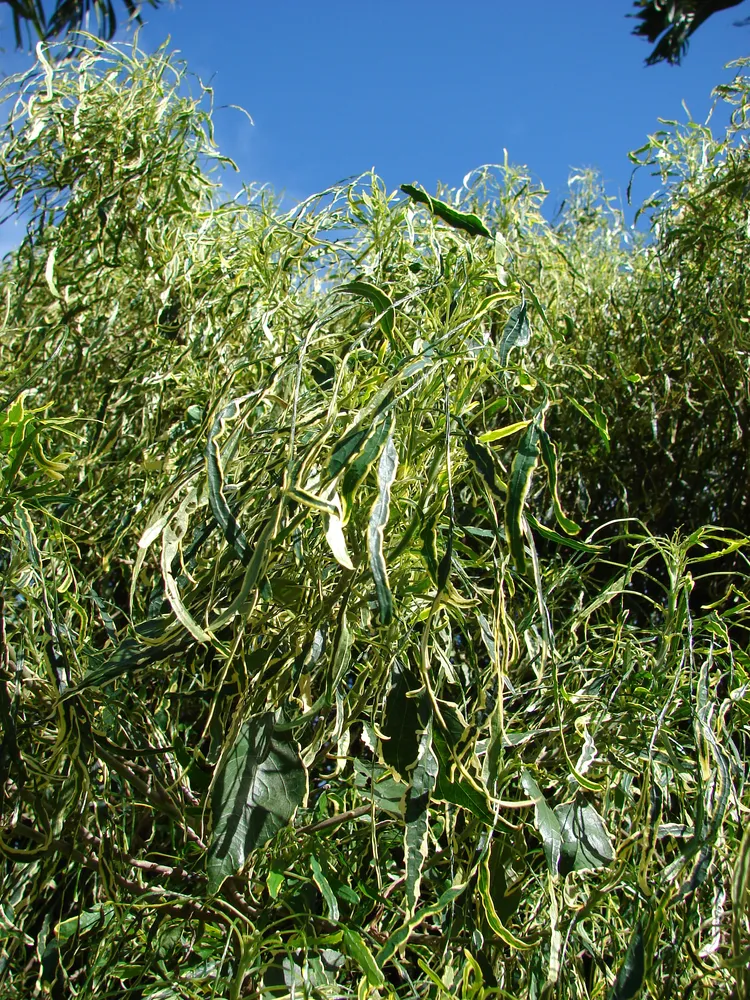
(347, 449)
(452, 786)
(403, 721)
(549, 457)
(378, 298)
(363, 462)
(521, 472)
(261, 784)
(632, 971)
(225, 518)
(355, 947)
(324, 885)
(554, 536)
(387, 793)
(466, 221)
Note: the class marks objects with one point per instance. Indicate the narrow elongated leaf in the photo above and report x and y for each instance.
(402, 721)
(356, 949)
(253, 573)
(521, 472)
(632, 971)
(484, 462)
(585, 841)
(219, 508)
(416, 817)
(466, 221)
(261, 784)
(376, 782)
(308, 499)
(554, 536)
(399, 937)
(325, 888)
(502, 432)
(545, 821)
(128, 657)
(347, 449)
(549, 457)
(342, 647)
(387, 469)
(492, 916)
(337, 541)
(363, 462)
(516, 332)
(596, 416)
(378, 298)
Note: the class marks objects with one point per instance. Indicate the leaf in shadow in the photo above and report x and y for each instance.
(261, 784)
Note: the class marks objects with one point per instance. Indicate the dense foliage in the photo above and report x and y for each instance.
(34, 19)
(374, 577)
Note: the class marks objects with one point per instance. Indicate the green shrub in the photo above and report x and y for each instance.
(381, 629)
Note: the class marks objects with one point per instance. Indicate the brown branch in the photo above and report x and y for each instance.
(326, 824)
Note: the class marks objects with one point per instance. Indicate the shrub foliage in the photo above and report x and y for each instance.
(374, 577)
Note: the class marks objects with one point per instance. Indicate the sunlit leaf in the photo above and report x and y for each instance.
(519, 484)
(516, 332)
(416, 817)
(377, 297)
(387, 469)
(466, 221)
(545, 821)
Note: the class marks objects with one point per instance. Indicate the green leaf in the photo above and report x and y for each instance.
(347, 449)
(545, 821)
(341, 656)
(416, 817)
(274, 882)
(387, 469)
(401, 936)
(361, 464)
(597, 417)
(387, 793)
(259, 787)
(403, 719)
(98, 917)
(632, 971)
(355, 947)
(378, 298)
(337, 541)
(585, 841)
(491, 914)
(452, 786)
(466, 221)
(516, 332)
(325, 888)
(484, 462)
(226, 520)
(549, 457)
(553, 536)
(521, 472)
(503, 432)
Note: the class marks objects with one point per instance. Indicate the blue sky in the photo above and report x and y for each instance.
(428, 91)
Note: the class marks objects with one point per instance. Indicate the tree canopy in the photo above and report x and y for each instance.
(672, 22)
(33, 18)
(374, 586)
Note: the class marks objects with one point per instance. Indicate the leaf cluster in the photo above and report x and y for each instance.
(382, 627)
